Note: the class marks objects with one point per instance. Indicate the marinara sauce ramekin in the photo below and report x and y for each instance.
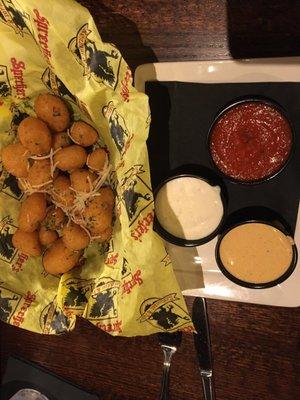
(251, 140)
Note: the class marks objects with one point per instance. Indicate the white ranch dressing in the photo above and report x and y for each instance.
(189, 208)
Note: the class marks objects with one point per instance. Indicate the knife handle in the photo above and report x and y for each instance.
(207, 384)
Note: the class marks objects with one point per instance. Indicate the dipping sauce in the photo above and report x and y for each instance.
(251, 141)
(189, 208)
(256, 252)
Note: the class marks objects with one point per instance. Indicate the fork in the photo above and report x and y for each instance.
(169, 343)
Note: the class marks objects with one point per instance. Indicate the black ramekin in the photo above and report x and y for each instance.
(185, 242)
(235, 103)
(250, 285)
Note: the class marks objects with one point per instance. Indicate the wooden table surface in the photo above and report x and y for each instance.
(256, 348)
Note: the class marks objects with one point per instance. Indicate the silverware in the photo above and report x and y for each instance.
(169, 343)
(202, 345)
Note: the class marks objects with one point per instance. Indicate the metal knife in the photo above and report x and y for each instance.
(202, 345)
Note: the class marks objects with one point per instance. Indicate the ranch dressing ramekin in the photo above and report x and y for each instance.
(189, 210)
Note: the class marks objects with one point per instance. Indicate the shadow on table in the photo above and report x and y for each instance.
(263, 28)
(123, 33)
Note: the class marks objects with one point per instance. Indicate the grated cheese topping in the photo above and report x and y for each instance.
(74, 213)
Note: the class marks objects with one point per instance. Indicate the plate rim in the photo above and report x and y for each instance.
(281, 65)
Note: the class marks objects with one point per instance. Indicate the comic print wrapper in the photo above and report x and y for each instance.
(126, 287)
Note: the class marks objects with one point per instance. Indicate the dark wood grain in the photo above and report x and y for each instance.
(256, 348)
(170, 30)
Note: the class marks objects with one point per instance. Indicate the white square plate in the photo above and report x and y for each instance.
(196, 268)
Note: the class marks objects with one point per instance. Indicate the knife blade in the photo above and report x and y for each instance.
(202, 346)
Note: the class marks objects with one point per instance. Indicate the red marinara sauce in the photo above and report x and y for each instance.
(251, 141)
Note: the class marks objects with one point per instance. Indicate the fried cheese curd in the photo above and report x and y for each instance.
(35, 135)
(15, 159)
(83, 134)
(27, 242)
(59, 259)
(53, 111)
(67, 203)
(97, 159)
